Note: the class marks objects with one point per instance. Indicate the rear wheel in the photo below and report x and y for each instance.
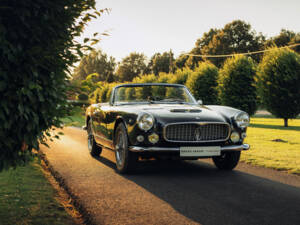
(125, 159)
(227, 160)
(94, 149)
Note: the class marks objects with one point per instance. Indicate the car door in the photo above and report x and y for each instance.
(99, 122)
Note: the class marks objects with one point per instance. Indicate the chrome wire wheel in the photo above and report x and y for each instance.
(93, 148)
(120, 149)
(125, 160)
(90, 137)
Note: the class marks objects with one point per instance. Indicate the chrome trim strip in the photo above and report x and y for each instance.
(200, 123)
(242, 147)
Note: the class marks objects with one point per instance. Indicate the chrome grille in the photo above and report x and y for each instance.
(196, 132)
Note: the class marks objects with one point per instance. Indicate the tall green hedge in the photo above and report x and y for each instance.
(36, 51)
(237, 84)
(279, 83)
(181, 76)
(203, 83)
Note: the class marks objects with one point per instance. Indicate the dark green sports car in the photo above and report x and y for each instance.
(164, 121)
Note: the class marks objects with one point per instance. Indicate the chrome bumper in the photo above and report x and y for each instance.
(242, 147)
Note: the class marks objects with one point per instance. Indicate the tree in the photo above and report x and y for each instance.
(203, 83)
(36, 51)
(235, 37)
(279, 82)
(202, 42)
(180, 61)
(161, 63)
(285, 38)
(96, 62)
(237, 84)
(131, 66)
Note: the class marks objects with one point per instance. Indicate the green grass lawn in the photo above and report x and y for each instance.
(273, 145)
(26, 197)
(77, 119)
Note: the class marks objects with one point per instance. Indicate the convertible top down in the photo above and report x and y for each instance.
(155, 120)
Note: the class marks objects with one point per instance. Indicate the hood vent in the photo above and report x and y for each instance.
(185, 110)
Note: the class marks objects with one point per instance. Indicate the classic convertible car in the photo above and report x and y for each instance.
(164, 121)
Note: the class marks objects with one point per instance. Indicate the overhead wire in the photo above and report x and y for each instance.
(245, 53)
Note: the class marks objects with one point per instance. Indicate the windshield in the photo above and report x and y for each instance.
(159, 94)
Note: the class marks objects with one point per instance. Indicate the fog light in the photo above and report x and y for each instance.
(140, 138)
(244, 135)
(153, 138)
(235, 137)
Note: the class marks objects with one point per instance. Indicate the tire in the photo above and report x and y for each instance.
(125, 160)
(227, 160)
(94, 149)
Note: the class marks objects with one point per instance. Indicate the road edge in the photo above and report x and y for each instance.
(74, 200)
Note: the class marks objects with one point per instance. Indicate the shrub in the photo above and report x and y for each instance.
(279, 82)
(36, 50)
(82, 97)
(164, 77)
(103, 93)
(203, 83)
(181, 76)
(237, 84)
(143, 93)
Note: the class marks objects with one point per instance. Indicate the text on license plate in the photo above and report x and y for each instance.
(190, 151)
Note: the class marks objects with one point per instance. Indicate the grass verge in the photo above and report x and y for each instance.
(273, 145)
(26, 197)
(77, 119)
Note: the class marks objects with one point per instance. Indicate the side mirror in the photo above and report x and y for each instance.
(200, 102)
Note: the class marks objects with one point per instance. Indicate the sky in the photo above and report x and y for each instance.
(150, 26)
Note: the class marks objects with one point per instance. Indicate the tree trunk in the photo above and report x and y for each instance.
(285, 122)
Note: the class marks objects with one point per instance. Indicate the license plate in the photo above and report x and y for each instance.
(195, 151)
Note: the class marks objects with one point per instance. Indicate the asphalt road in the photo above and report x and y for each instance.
(189, 192)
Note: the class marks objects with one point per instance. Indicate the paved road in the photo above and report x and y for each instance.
(193, 192)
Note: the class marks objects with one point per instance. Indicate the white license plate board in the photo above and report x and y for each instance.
(195, 151)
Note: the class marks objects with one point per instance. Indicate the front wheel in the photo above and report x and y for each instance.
(125, 159)
(227, 160)
(94, 149)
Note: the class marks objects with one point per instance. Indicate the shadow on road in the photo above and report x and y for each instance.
(208, 196)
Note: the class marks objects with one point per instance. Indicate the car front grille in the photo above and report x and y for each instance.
(196, 132)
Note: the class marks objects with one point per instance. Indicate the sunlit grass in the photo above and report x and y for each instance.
(77, 119)
(26, 197)
(273, 145)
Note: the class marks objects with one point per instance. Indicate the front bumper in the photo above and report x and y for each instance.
(242, 147)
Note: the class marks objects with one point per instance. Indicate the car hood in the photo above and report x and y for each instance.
(182, 113)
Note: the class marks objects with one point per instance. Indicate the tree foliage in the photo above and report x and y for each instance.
(284, 38)
(181, 76)
(235, 37)
(279, 82)
(180, 61)
(161, 63)
(96, 62)
(36, 51)
(131, 67)
(237, 84)
(203, 83)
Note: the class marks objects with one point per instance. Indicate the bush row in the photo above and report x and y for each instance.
(236, 84)
(205, 82)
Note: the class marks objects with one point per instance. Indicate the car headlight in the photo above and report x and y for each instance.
(242, 119)
(235, 137)
(145, 121)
